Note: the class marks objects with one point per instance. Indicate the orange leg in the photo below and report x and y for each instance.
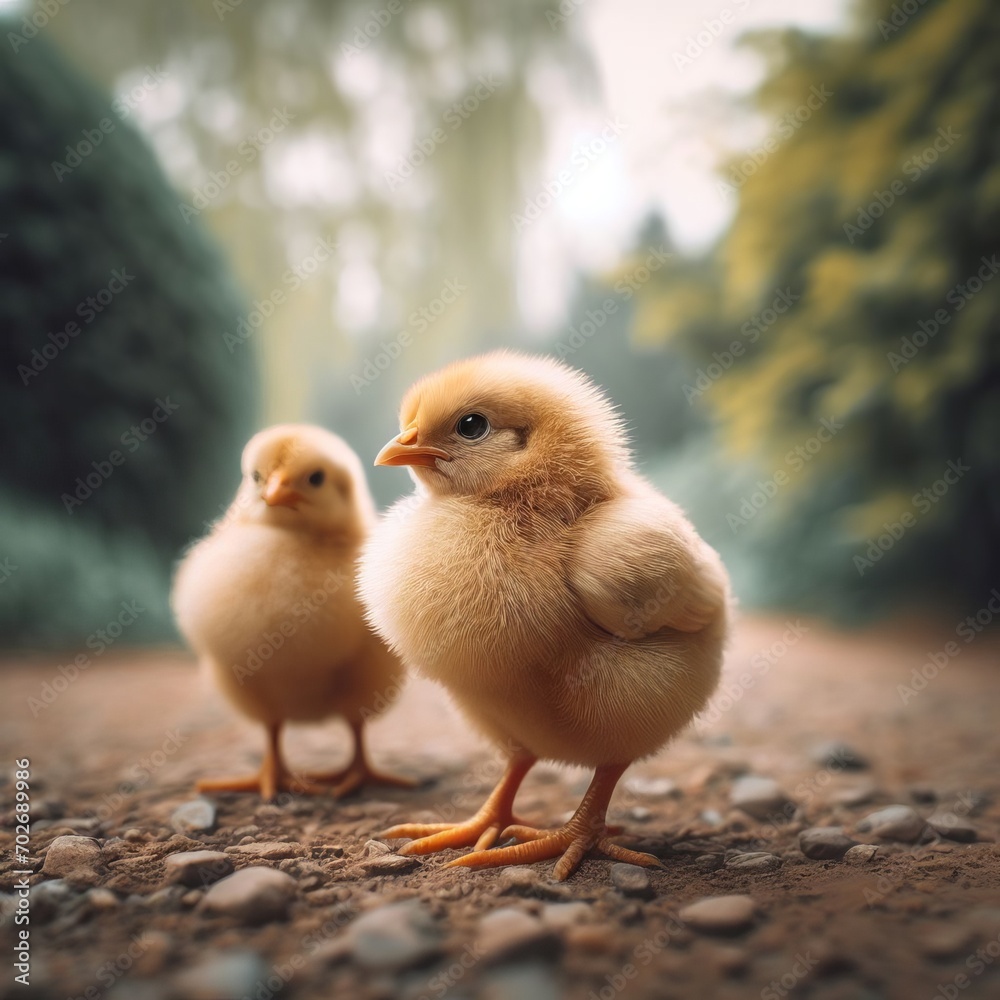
(273, 776)
(585, 831)
(359, 772)
(481, 831)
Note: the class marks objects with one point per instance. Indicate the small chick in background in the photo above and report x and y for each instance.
(571, 610)
(277, 576)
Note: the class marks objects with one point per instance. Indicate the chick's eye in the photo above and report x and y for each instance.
(316, 479)
(255, 476)
(473, 426)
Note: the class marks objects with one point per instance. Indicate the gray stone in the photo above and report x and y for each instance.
(252, 895)
(518, 880)
(943, 941)
(198, 868)
(229, 974)
(390, 864)
(559, 916)
(761, 798)
(754, 861)
(949, 825)
(825, 843)
(102, 899)
(631, 880)
(719, 914)
(49, 899)
(894, 823)
(839, 756)
(77, 859)
(524, 981)
(509, 932)
(393, 937)
(651, 788)
(860, 854)
(196, 816)
(268, 850)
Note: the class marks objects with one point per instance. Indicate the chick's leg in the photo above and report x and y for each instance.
(273, 776)
(359, 772)
(481, 831)
(586, 831)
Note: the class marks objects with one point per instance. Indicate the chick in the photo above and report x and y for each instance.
(267, 601)
(571, 610)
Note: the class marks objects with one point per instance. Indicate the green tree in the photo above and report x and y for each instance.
(872, 208)
(123, 411)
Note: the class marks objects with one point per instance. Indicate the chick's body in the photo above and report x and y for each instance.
(571, 610)
(510, 637)
(267, 600)
(272, 614)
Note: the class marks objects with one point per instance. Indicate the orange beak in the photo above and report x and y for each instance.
(278, 493)
(404, 450)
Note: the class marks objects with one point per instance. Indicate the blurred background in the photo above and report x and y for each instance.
(769, 229)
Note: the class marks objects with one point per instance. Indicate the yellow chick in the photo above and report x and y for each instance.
(571, 610)
(267, 601)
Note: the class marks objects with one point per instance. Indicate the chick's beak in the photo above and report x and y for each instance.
(278, 492)
(404, 450)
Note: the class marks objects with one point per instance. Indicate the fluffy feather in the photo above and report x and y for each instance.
(572, 610)
(267, 600)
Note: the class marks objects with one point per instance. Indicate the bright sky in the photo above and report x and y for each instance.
(659, 63)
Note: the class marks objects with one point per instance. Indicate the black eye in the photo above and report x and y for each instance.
(473, 426)
(255, 476)
(316, 479)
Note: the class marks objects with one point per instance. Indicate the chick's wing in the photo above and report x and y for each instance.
(638, 566)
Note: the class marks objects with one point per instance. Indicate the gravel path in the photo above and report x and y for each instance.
(828, 831)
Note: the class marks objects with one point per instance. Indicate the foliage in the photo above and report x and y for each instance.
(124, 412)
(876, 216)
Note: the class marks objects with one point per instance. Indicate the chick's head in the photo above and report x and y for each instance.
(300, 476)
(508, 424)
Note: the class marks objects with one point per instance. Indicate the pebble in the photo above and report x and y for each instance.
(390, 864)
(632, 880)
(639, 814)
(510, 932)
(196, 816)
(102, 899)
(719, 914)
(269, 850)
(198, 868)
(894, 823)
(825, 843)
(50, 898)
(77, 859)
(252, 895)
(559, 916)
(709, 862)
(860, 854)
(528, 981)
(394, 936)
(132, 835)
(651, 788)
(839, 756)
(942, 941)
(761, 798)
(953, 828)
(754, 861)
(855, 794)
(230, 974)
(518, 880)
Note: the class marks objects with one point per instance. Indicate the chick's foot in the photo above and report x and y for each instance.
(586, 831)
(480, 832)
(358, 773)
(273, 776)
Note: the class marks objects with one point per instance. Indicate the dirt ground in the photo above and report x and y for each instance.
(118, 750)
